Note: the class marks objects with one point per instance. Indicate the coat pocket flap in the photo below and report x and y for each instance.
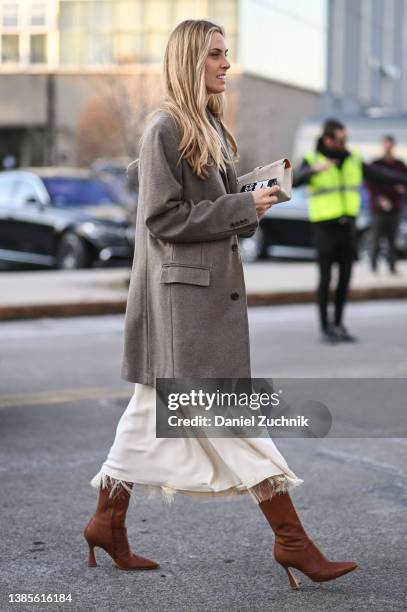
(191, 275)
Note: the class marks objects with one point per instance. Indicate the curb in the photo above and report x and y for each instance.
(74, 309)
(307, 296)
(279, 298)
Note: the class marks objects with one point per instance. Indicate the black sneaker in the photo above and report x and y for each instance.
(343, 335)
(329, 335)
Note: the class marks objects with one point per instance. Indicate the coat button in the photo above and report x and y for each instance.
(234, 247)
(234, 296)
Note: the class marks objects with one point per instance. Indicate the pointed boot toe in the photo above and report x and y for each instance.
(343, 567)
(107, 530)
(144, 563)
(293, 549)
(332, 570)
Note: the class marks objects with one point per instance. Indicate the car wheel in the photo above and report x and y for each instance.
(253, 248)
(72, 253)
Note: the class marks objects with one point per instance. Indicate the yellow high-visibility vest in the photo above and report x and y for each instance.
(335, 192)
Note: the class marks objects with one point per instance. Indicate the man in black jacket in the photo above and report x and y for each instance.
(386, 204)
(334, 176)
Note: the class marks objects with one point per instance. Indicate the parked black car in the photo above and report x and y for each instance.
(62, 217)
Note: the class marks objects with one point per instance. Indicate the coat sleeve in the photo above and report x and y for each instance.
(382, 175)
(302, 174)
(167, 214)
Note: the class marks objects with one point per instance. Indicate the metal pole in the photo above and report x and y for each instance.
(50, 123)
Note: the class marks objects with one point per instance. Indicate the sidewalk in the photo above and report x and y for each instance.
(50, 293)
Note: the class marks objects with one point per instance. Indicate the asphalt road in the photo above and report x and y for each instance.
(60, 399)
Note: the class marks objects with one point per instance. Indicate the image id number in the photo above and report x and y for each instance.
(39, 597)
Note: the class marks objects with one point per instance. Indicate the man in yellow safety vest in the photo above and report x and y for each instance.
(334, 176)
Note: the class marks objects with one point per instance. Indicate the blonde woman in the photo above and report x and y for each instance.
(187, 314)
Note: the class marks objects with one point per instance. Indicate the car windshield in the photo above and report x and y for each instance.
(67, 191)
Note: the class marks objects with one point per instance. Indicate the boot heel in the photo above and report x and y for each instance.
(294, 582)
(91, 558)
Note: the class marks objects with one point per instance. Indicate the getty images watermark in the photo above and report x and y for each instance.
(260, 407)
(218, 399)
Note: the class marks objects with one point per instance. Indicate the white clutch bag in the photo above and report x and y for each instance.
(278, 173)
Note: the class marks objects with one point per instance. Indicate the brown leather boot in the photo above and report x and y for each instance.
(293, 548)
(107, 530)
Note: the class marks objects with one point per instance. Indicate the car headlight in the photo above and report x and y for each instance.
(96, 230)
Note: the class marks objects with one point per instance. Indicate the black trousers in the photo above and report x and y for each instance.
(335, 242)
(384, 225)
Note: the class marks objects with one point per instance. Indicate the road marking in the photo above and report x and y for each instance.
(345, 457)
(61, 396)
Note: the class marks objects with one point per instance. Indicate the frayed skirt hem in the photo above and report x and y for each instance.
(259, 492)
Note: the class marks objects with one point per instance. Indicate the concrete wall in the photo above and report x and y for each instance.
(22, 100)
(269, 114)
(103, 114)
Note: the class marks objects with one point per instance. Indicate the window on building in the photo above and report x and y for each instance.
(71, 24)
(158, 13)
(155, 43)
(85, 32)
(131, 31)
(186, 9)
(225, 14)
(10, 14)
(38, 49)
(127, 48)
(127, 14)
(127, 22)
(39, 14)
(10, 53)
(97, 49)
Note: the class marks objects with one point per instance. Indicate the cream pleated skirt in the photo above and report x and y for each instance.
(192, 466)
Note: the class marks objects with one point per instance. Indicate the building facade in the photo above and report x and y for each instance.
(367, 57)
(78, 77)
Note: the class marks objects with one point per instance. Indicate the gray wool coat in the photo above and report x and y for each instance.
(186, 312)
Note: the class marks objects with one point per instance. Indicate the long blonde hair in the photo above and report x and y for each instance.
(186, 97)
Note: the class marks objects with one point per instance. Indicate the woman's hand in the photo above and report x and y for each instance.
(264, 199)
